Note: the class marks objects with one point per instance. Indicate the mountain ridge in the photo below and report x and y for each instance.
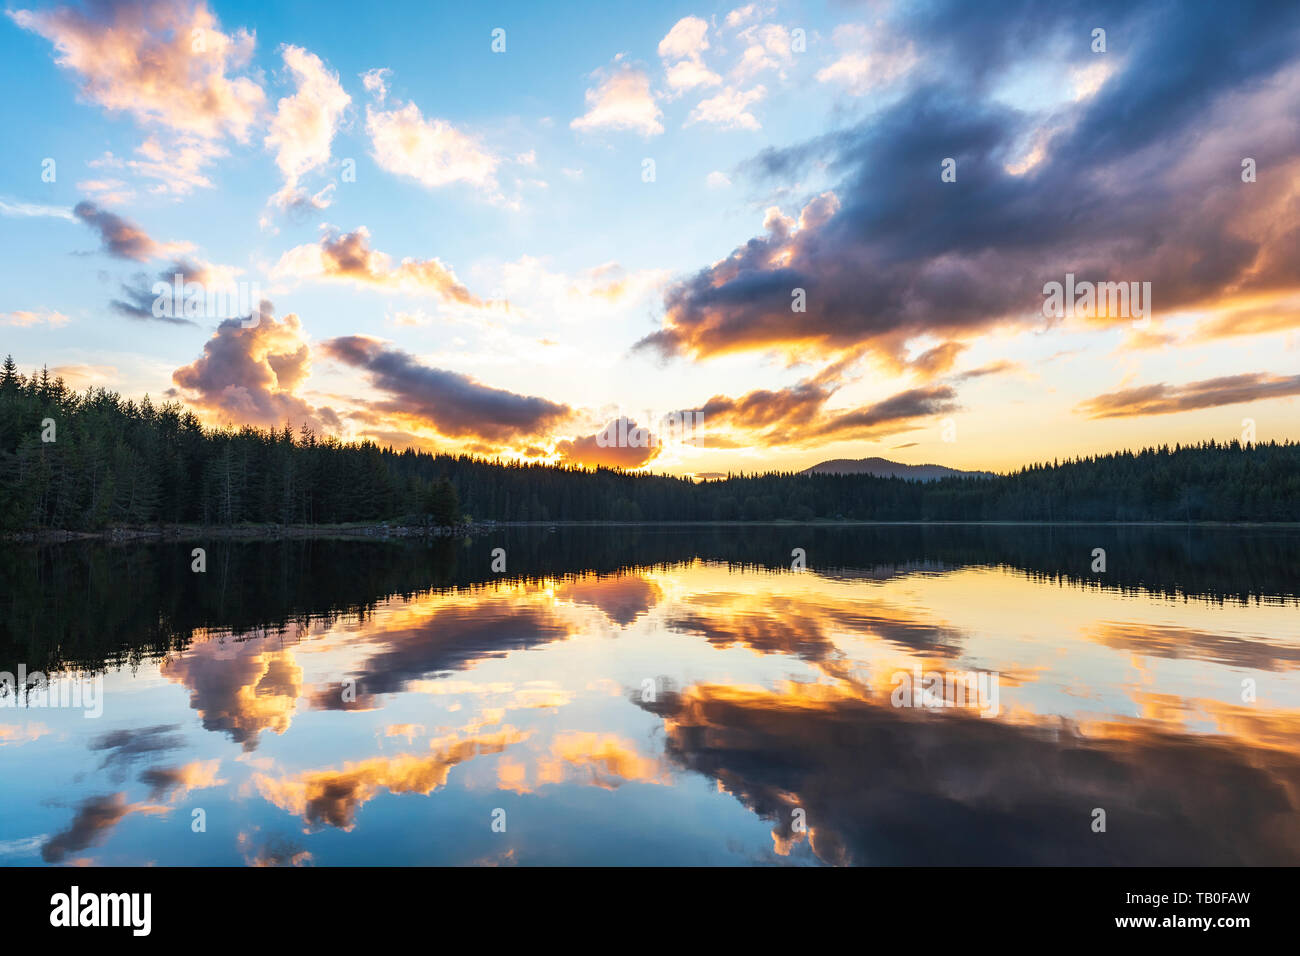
(885, 468)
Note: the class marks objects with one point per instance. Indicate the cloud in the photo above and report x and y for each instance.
(241, 689)
(882, 266)
(621, 100)
(180, 781)
(109, 191)
(24, 319)
(1163, 399)
(740, 16)
(682, 53)
(1276, 314)
(95, 818)
(590, 294)
(934, 362)
(274, 850)
(603, 449)
(348, 257)
(168, 65)
(454, 404)
(728, 109)
(122, 747)
(798, 415)
(207, 291)
(1000, 367)
(18, 208)
(689, 74)
(160, 62)
(598, 760)
(250, 375)
(767, 48)
(305, 123)
(686, 40)
(814, 736)
(431, 151)
(376, 82)
(83, 376)
(122, 238)
(870, 58)
(333, 797)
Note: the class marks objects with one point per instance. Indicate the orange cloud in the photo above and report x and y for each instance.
(348, 257)
(1164, 399)
(333, 797)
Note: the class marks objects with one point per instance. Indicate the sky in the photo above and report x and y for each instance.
(678, 237)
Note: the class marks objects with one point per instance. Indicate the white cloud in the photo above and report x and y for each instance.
(768, 48)
(682, 52)
(621, 99)
(430, 151)
(686, 40)
(729, 109)
(376, 82)
(743, 15)
(689, 74)
(15, 207)
(305, 123)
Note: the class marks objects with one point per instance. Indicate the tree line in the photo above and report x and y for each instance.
(83, 461)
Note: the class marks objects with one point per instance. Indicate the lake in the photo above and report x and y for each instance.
(658, 696)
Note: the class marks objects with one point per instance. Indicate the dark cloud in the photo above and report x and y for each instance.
(141, 301)
(122, 747)
(249, 373)
(1162, 399)
(885, 785)
(797, 415)
(788, 625)
(120, 238)
(1139, 181)
(94, 818)
(905, 407)
(451, 639)
(456, 405)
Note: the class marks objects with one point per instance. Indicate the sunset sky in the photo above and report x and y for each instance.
(502, 251)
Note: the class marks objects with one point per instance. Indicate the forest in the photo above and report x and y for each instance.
(115, 462)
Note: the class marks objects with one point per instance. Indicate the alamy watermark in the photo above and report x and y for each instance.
(936, 689)
(34, 689)
(665, 431)
(1130, 300)
(179, 299)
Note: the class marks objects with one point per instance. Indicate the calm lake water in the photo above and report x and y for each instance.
(661, 696)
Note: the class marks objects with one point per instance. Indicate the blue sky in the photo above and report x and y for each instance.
(519, 177)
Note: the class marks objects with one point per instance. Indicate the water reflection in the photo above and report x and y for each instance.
(675, 696)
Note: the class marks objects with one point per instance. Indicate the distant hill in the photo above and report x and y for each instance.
(884, 468)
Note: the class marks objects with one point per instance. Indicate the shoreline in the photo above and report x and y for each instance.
(387, 531)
